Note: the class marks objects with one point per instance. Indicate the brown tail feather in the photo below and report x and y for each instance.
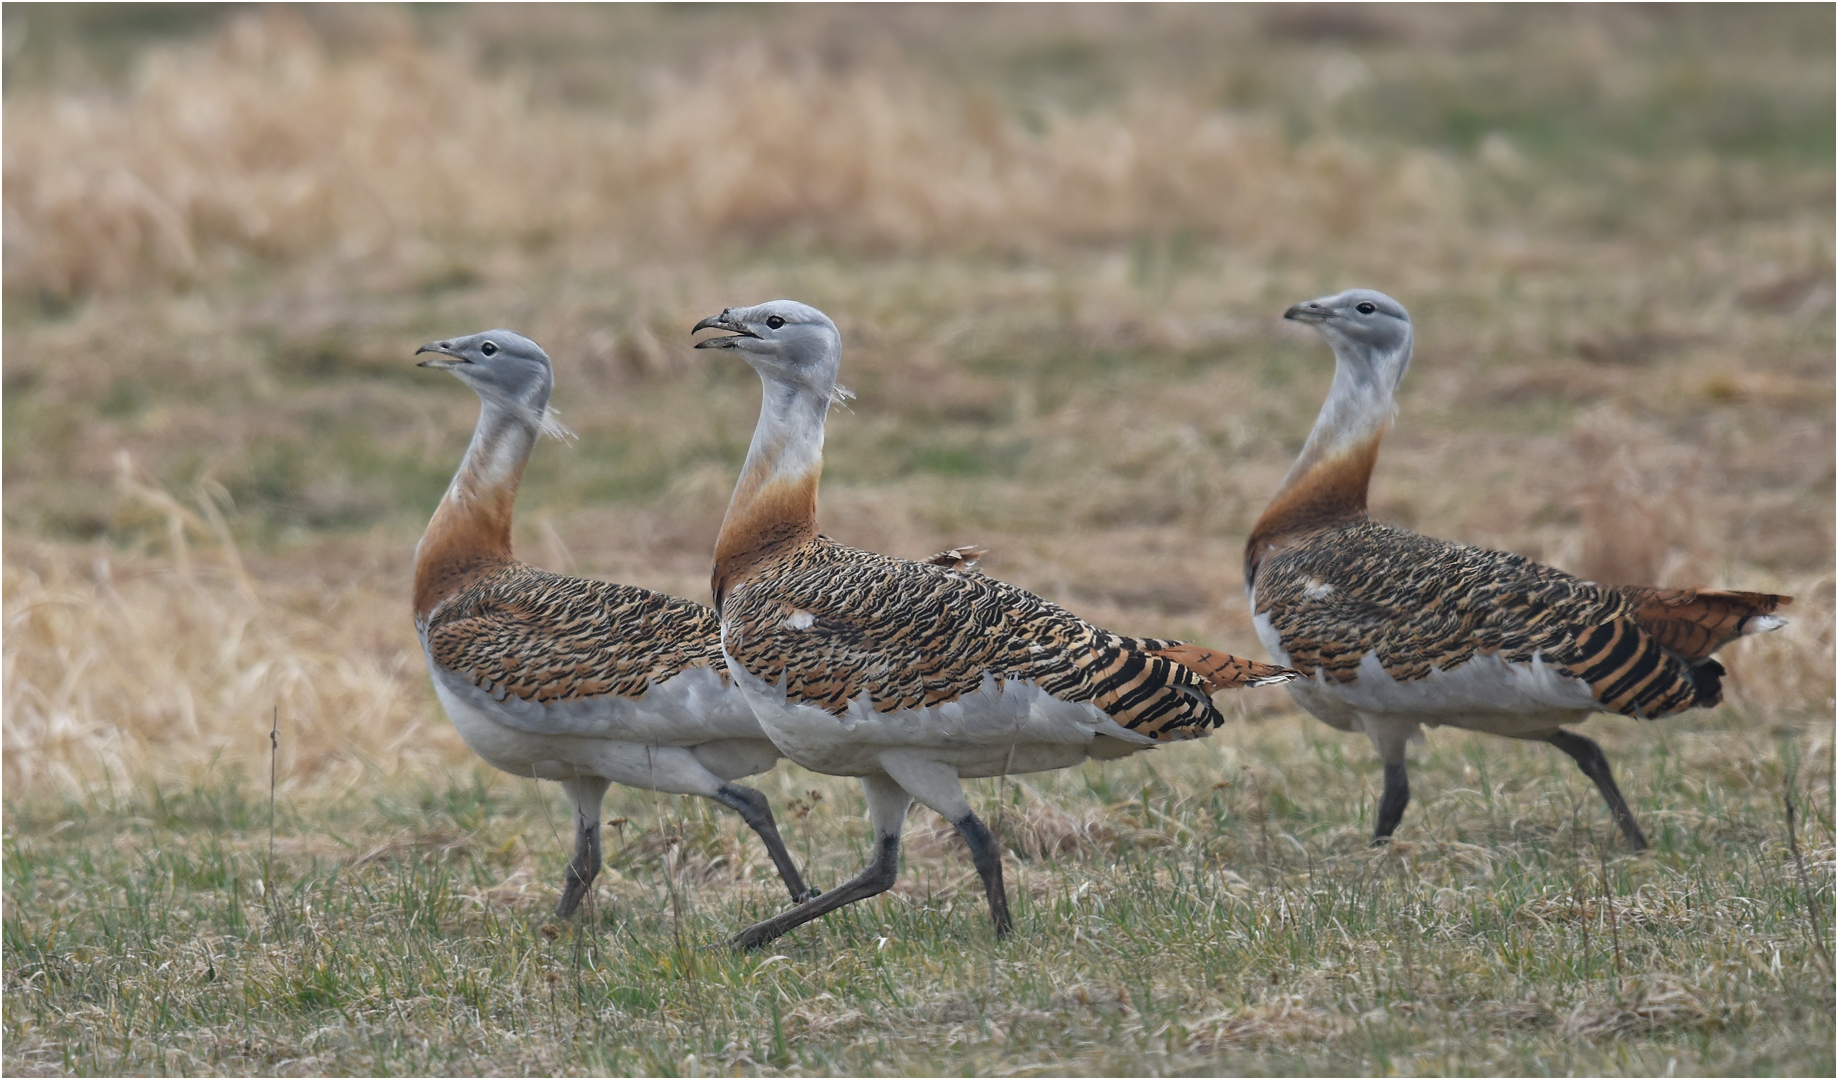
(1697, 622)
(1223, 671)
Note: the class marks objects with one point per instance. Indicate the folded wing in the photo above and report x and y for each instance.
(832, 624)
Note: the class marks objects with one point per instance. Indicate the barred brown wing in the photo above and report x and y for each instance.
(544, 637)
(1422, 605)
(831, 623)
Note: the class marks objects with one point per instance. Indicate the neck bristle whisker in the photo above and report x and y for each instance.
(552, 426)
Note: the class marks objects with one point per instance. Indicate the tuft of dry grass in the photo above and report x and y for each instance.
(140, 669)
(260, 146)
(257, 147)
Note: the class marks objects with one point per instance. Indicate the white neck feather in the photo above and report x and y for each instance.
(788, 441)
(1359, 407)
(500, 447)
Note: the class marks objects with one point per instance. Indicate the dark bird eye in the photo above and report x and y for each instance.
(1365, 307)
(489, 349)
(774, 321)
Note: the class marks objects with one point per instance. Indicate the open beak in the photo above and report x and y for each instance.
(723, 321)
(442, 348)
(1310, 311)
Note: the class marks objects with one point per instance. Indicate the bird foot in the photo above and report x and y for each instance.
(751, 938)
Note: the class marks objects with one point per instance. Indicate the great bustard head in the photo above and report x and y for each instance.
(785, 341)
(503, 366)
(1368, 331)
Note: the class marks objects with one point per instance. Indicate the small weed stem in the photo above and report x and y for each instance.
(274, 754)
(1614, 920)
(1812, 908)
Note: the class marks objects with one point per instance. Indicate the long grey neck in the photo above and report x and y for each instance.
(1359, 407)
(500, 447)
(788, 440)
(774, 507)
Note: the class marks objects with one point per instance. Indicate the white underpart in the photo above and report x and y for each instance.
(1481, 684)
(1002, 727)
(687, 735)
(1761, 624)
(690, 707)
(1486, 693)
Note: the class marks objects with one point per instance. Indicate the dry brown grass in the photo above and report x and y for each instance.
(1059, 310)
(257, 146)
(133, 669)
(261, 146)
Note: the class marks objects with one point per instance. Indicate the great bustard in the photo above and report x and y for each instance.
(908, 675)
(559, 678)
(1392, 630)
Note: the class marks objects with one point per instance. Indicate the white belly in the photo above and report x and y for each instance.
(1001, 728)
(693, 757)
(692, 707)
(1487, 693)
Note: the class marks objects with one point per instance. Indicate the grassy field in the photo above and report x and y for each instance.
(1058, 242)
(1211, 910)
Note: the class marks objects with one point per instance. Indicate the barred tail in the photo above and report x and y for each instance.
(1223, 671)
(1697, 622)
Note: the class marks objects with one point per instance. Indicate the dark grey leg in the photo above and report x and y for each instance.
(579, 877)
(753, 808)
(988, 859)
(586, 793)
(1390, 736)
(1594, 764)
(887, 805)
(1392, 804)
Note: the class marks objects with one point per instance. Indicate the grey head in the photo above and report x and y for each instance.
(1365, 328)
(784, 340)
(506, 368)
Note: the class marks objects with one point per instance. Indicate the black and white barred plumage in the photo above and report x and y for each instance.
(830, 623)
(1422, 605)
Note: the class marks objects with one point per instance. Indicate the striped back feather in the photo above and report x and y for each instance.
(832, 623)
(1630, 672)
(1421, 605)
(543, 637)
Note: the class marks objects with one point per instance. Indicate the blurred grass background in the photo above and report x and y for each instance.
(1058, 241)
